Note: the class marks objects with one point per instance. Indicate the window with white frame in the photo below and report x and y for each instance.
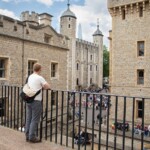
(3, 67)
(139, 110)
(140, 48)
(54, 69)
(140, 76)
(30, 66)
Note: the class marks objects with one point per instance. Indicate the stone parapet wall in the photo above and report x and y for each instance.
(116, 3)
(30, 31)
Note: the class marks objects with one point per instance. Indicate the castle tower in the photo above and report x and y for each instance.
(68, 23)
(98, 40)
(129, 53)
(68, 28)
(98, 36)
(31, 18)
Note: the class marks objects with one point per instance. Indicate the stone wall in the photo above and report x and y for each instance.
(19, 46)
(124, 59)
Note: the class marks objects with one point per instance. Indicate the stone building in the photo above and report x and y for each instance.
(85, 59)
(30, 40)
(130, 55)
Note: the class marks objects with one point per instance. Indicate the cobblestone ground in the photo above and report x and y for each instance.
(15, 140)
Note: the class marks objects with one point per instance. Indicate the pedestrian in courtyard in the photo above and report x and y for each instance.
(34, 109)
(149, 130)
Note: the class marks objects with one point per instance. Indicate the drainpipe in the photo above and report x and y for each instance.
(23, 56)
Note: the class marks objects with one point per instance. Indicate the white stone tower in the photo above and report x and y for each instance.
(68, 28)
(98, 40)
(68, 23)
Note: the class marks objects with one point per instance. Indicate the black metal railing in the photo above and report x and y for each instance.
(77, 119)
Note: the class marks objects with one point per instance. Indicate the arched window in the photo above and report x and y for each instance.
(77, 66)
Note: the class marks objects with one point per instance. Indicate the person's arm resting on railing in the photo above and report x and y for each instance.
(46, 86)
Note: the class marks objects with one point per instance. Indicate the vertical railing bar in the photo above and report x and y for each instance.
(100, 115)
(142, 135)
(21, 115)
(56, 125)
(93, 121)
(18, 108)
(51, 118)
(67, 118)
(11, 108)
(133, 113)
(46, 114)
(115, 123)
(62, 108)
(3, 109)
(14, 107)
(86, 111)
(5, 93)
(124, 120)
(108, 111)
(73, 119)
(42, 118)
(8, 109)
(79, 129)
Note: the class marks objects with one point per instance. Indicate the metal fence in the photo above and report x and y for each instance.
(82, 120)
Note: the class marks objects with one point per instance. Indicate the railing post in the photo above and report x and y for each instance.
(62, 111)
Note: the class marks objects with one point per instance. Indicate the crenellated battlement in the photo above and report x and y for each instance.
(26, 16)
(117, 3)
(118, 7)
(86, 42)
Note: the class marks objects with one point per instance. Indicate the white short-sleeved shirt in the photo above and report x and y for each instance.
(36, 82)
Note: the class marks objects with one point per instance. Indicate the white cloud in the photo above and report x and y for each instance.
(16, 1)
(46, 2)
(88, 14)
(8, 13)
(5, 0)
(49, 2)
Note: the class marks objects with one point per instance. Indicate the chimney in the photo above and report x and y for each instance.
(45, 19)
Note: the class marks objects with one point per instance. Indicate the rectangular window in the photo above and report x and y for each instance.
(91, 57)
(140, 48)
(30, 66)
(90, 80)
(3, 67)
(90, 67)
(140, 77)
(139, 111)
(96, 67)
(47, 38)
(123, 14)
(54, 69)
(77, 66)
(141, 11)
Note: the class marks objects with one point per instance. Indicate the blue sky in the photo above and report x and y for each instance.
(86, 11)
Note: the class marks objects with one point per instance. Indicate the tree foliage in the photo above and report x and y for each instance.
(105, 62)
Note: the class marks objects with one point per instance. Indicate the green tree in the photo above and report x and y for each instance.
(105, 62)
